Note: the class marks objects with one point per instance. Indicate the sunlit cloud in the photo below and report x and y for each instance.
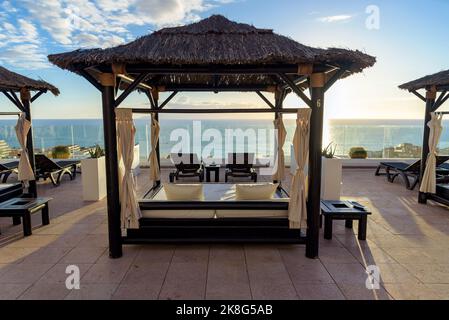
(336, 18)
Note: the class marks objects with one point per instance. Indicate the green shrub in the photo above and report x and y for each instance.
(96, 152)
(358, 153)
(60, 152)
(329, 151)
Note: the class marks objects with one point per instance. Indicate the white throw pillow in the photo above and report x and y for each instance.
(192, 192)
(258, 191)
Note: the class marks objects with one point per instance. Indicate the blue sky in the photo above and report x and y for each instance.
(408, 44)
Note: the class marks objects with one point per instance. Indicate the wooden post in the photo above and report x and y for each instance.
(25, 97)
(317, 81)
(155, 95)
(112, 182)
(431, 95)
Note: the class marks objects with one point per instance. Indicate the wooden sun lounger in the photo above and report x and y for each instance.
(7, 168)
(55, 170)
(187, 165)
(407, 171)
(240, 165)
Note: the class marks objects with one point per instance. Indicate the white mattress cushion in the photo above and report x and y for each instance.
(192, 192)
(259, 191)
(252, 213)
(179, 214)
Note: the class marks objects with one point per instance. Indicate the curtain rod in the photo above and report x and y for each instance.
(10, 113)
(144, 110)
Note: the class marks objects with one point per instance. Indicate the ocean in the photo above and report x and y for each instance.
(247, 135)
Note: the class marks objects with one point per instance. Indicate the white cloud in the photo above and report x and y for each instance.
(336, 18)
(27, 26)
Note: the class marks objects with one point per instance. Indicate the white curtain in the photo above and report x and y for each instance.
(26, 173)
(428, 183)
(280, 159)
(154, 165)
(130, 212)
(297, 210)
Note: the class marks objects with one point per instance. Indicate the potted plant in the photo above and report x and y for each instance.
(60, 152)
(94, 175)
(331, 173)
(358, 153)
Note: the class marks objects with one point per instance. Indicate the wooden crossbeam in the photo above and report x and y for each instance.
(141, 77)
(12, 100)
(295, 89)
(438, 103)
(86, 75)
(19, 103)
(163, 104)
(37, 95)
(444, 100)
(420, 96)
(150, 98)
(265, 99)
(213, 111)
(334, 78)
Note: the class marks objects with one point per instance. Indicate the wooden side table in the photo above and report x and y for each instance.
(213, 168)
(23, 208)
(344, 210)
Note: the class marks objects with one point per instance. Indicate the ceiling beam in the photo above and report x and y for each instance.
(265, 99)
(337, 75)
(37, 95)
(295, 89)
(420, 96)
(130, 88)
(163, 104)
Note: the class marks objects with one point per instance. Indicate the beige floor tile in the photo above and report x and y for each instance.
(349, 273)
(336, 255)
(430, 273)
(83, 255)
(25, 273)
(360, 292)
(185, 280)
(45, 291)
(46, 255)
(93, 292)
(11, 291)
(410, 291)
(319, 292)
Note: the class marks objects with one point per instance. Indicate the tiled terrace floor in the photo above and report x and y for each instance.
(407, 241)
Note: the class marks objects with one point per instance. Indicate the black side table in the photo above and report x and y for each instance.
(344, 210)
(214, 168)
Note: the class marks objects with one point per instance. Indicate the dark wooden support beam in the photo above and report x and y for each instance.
(214, 111)
(438, 103)
(37, 95)
(86, 75)
(296, 81)
(25, 98)
(14, 102)
(420, 96)
(18, 102)
(156, 116)
(268, 102)
(317, 81)
(216, 70)
(295, 89)
(171, 96)
(130, 88)
(430, 101)
(112, 179)
(444, 99)
(118, 82)
(337, 75)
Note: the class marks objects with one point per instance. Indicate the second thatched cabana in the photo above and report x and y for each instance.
(18, 89)
(213, 55)
(436, 88)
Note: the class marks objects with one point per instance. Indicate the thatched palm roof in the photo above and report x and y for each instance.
(215, 41)
(440, 80)
(13, 81)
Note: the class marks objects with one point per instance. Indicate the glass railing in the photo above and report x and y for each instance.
(380, 141)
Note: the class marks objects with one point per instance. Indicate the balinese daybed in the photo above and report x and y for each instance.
(219, 217)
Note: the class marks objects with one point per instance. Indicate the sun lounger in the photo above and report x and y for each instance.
(55, 169)
(7, 168)
(187, 165)
(240, 165)
(411, 171)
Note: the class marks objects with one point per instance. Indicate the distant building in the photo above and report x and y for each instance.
(5, 150)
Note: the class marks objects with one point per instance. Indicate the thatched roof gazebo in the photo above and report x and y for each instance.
(215, 55)
(436, 87)
(11, 84)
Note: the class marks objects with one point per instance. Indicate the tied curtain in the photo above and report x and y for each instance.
(280, 159)
(154, 165)
(297, 209)
(130, 211)
(22, 128)
(428, 183)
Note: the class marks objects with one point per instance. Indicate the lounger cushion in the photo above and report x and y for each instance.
(184, 192)
(252, 213)
(179, 214)
(258, 191)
